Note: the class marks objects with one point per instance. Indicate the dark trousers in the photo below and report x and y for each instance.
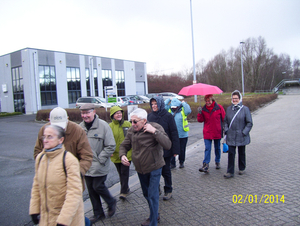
(166, 173)
(96, 187)
(231, 158)
(182, 142)
(124, 176)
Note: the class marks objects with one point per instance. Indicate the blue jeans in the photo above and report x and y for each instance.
(208, 150)
(150, 183)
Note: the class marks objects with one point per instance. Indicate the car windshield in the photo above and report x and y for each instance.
(101, 99)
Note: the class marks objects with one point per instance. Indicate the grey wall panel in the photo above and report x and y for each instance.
(106, 63)
(139, 71)
(46, 57)
(72, 60)
(86, 61)
(16, 59)
(119, 65)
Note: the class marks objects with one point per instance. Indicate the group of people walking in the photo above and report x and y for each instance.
(69, 155)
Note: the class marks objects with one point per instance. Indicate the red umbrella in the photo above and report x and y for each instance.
(199, 89)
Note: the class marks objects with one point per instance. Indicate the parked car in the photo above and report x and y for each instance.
(128, 100)
(167, 95)
(134, 99)
(151, 95)
(122, 101)
(142, 98)
(97, 101)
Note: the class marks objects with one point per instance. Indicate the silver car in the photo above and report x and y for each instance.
(168, 95)
(99, 102)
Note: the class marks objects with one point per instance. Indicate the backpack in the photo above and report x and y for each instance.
(64, 161)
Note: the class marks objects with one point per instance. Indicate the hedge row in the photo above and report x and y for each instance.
(252, 101)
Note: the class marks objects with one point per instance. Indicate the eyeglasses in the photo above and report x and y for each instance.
(48, 137)
(86, 112)
(135, 121)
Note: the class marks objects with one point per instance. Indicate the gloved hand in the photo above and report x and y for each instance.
(35, 218)
(200, 110)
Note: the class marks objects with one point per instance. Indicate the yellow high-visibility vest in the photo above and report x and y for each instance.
(185, 122)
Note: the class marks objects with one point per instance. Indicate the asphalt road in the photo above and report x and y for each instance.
(17, 139)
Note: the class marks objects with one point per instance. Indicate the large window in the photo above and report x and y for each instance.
(96, 82)
(18, 89)
(74, 88)
(106, 79)
(120, 80)
(88, 86)
(47, 85)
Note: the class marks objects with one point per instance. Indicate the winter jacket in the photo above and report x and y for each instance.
(147, 148)
(238, 133)
(213, 128)
(56, 195)
(178, 117)
(119, 129)
(103, 146)
(166, 120)
(75, 142)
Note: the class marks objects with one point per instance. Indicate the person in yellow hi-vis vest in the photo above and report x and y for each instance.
(180, 111)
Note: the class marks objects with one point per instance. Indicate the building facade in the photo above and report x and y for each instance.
(35, 79)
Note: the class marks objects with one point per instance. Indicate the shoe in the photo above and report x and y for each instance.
(181, 165)
(112, 209)
(97, 218)
(218, 165)
(172, 166)
(147, 221)
(167, 196)
(204, 168)
(241, 172)
(123, 196)
(228, 175)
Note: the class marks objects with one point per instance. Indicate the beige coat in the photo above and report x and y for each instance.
(56, 195)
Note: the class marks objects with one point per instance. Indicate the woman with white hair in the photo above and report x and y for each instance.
(56, 195)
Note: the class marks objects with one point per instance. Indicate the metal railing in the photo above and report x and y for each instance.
(285, 81)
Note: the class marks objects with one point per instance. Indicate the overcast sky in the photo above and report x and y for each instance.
(157, 32)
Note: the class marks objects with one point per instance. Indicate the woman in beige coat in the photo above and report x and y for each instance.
(56, 195)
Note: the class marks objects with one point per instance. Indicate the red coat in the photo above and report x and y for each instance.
(213, 128)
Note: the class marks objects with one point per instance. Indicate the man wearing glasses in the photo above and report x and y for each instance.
(103, 145)
(147, 141)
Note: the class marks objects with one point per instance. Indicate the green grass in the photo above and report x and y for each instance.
(5, 114)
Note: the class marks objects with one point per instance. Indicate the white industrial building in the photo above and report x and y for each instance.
(34, 79)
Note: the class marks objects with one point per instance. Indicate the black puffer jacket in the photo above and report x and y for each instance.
(166, 120)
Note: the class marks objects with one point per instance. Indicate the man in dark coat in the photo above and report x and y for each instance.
(160, 115)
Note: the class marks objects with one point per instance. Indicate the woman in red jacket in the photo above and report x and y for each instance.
(212, 114)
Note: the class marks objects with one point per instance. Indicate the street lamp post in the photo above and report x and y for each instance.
(194, 72)
(241, 43)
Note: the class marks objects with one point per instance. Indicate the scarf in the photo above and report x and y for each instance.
(55, 148)
(211, 106)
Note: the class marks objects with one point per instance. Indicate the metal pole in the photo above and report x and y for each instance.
(242, 67)
(194, 72)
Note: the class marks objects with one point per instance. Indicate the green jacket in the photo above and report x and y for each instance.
(119, 129)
